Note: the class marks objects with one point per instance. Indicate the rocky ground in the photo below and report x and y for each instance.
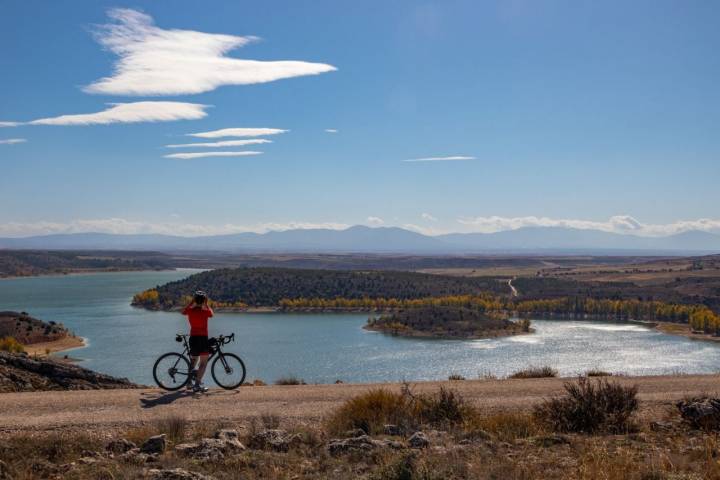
(22, 373)
(682, 444)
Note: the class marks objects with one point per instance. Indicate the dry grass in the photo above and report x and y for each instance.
(590, 406)
(376, 408)
(9, 344)
(535, 372)
(506, 426)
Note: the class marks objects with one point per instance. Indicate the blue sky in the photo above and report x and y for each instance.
(575, 113)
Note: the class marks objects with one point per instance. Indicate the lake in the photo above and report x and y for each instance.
(322, 348)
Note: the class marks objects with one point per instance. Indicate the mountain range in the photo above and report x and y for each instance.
(362, 239)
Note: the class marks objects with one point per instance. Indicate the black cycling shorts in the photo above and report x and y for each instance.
(199, 345)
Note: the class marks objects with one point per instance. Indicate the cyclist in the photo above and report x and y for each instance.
(198, 312)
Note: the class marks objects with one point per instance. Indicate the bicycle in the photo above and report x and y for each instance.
(172, 370)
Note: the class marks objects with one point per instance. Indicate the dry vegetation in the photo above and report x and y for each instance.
(560, 439)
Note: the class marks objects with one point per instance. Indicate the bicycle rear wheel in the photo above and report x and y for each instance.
(171, 371)
(228, 371)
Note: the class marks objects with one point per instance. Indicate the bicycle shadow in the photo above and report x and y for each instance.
(164, 398)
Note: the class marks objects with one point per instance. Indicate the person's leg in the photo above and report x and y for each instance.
(193, 363)
(201, 367)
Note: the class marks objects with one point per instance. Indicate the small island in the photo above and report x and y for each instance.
(447, 323)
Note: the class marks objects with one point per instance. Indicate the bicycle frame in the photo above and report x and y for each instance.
(215, 349)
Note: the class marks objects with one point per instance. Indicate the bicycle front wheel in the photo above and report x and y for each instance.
(228, 371)
(172, 371)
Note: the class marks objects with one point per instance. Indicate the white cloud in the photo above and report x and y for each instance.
(129, 113)
(9, 124)
(211, 154)
(427, 216)
(12, 141)
(440, 159)
(237, 132)
(616, 224)
(124, 226)
(375, 220)
(154, 61)
(331, 130)
(226, 143)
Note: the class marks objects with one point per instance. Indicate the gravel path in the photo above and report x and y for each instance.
(103, 409)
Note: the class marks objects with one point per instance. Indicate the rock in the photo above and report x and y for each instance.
(154, 445)
(549, 440)
(360, 443)
(358, 432)
(212, 448)
(120, 446)
(393, 430)
(418, 440)
(701, 413)
(274, 439)
(20, 373)
(136, 456)
(660, 426)
(176, 474)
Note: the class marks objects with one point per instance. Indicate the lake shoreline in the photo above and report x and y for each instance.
(46, 349)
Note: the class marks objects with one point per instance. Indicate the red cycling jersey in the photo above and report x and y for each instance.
(198, 318)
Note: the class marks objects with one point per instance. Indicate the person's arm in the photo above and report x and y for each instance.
(186, 310)
(207, 307)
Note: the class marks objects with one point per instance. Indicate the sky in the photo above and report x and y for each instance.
(445, 116)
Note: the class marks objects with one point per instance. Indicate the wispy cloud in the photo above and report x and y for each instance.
(154, 61)
(440, 159)
(186, 156)
(9, 124)
(128, 113)
(616, 224)
(427, 216)
(238, 132)
(12, 141)
(226, 143)
(331, 130)
(125, 226)
(375, 220)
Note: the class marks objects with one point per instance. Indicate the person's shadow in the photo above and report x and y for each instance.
(163, 398)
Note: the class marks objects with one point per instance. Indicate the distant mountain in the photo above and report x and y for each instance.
(361, 239)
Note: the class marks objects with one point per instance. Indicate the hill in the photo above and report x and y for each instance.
(17, 263)
(361, 239)
(27, 330)
(269, 286)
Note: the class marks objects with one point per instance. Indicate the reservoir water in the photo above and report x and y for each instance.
(322, 348)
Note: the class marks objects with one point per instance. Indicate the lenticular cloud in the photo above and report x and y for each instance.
(154, 61)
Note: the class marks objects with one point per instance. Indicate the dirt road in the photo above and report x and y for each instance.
(107, 409)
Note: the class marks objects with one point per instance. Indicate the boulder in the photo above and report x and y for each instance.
(701, 412)
(419, 440)
(154, 445)
(358, 432)
(274, 439)
(176, 474)
(393, 430)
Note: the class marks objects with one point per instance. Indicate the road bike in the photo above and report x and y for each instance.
(172, 370)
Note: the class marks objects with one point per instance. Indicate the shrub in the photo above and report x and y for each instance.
(535, 372)
(597, 373)
(590, 406)
(456, 377)
(290, 380)
(372, 410)
(9, 344)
